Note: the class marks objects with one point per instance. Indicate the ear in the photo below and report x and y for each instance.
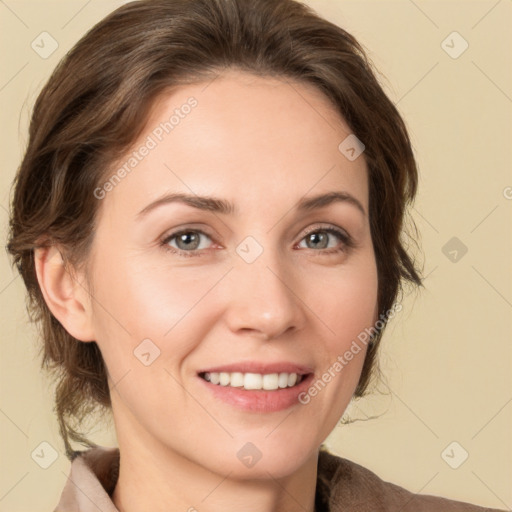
(65, 294)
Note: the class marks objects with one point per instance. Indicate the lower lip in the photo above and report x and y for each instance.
(259, 400)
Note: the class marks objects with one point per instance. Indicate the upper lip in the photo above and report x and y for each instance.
(257, 367)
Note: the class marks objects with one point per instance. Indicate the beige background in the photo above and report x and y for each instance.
(447, 356)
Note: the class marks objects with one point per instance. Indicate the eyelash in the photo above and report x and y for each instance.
(347, 241)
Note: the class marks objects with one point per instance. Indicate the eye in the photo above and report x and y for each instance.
(191, 242)
(188, 240)
(325, 240)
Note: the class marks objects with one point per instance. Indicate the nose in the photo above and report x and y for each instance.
(264, 299)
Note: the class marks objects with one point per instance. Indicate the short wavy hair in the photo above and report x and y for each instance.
(97, 102)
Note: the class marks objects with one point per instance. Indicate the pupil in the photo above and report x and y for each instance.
(186, 238)
(315, 237)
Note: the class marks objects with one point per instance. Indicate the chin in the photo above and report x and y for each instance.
(261, 460)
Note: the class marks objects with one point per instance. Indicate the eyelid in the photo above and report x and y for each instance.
(325, 227)
(347, 240)
(170, 235)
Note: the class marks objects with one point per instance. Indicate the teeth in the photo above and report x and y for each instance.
(292, 379)
(271, 381)
(236, 380)
(253, 381)
(268, 382)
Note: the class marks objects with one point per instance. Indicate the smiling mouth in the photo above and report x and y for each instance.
(254, 381)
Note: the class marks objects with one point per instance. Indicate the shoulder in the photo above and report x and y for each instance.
(92, 478)
(344, 485)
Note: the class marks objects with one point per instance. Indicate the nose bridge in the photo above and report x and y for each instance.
(262, 291)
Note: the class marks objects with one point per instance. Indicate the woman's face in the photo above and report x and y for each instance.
(251, 283)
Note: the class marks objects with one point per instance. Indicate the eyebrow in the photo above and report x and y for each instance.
(217, 205)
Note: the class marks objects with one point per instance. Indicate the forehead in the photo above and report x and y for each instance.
(244, 137)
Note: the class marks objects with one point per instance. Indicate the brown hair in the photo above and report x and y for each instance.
(97, 102)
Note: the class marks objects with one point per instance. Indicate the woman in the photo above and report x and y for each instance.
(207, 219)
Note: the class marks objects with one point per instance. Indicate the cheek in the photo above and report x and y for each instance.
(136, 301)
(347, 309)
(347, 304)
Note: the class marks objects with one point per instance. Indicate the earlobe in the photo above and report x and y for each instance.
(64, 294)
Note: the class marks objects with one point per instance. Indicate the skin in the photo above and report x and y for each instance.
(261, 143)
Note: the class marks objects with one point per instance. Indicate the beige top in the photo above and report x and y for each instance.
(342, 486)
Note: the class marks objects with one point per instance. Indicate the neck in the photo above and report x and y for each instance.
(157, 478)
